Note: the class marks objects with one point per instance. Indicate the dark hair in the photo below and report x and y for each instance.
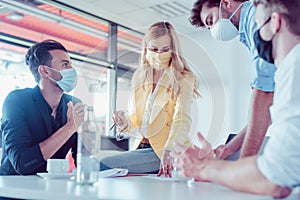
(195, 19)
(289, 9)
(39, 54)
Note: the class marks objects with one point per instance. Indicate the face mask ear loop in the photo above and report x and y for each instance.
(53, 70)
(220, 6)
(236, 10)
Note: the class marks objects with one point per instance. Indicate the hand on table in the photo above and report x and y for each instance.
(193, 160)
(166, 164)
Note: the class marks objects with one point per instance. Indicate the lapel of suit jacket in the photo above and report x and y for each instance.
(161, 98)
(41, 105)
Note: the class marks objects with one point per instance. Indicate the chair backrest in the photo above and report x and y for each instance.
(110, 143)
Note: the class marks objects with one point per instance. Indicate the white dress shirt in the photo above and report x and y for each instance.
(280, 162)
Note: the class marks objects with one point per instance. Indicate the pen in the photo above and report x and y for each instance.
(112, 126)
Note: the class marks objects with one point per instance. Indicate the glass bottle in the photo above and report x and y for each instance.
(87, 148)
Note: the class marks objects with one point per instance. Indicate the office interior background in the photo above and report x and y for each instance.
(104, 40)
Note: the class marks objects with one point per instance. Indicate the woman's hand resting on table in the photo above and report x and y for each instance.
(166, 164)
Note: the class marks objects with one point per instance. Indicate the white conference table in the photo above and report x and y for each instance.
(132, 187)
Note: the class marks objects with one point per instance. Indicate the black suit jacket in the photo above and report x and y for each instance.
(26, 122)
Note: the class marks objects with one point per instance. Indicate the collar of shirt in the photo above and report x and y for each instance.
(58, 117)
(58, 109)
(288, 61)
(41, 99)
(246, 15)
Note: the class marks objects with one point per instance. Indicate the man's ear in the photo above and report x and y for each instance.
(275, 22)
(43, 71)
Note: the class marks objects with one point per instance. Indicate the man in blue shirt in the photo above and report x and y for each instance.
(276, 171)
(227, 19)
(41, 123)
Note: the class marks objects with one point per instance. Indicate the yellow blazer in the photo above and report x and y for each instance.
(170, 120)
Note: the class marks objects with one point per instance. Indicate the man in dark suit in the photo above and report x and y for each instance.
(41, 123)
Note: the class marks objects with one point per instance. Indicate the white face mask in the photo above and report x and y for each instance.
(224, 29)
(69, 79)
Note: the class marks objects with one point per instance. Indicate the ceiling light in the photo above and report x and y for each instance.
(15, 16)
(170, 9)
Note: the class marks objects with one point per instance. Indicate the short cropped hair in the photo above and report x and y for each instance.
(289, 9)
(195, 19)
(38, 54)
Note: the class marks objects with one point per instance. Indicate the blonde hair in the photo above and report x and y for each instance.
(178, 66)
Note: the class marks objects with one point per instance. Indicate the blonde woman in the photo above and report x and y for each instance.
(164, 88)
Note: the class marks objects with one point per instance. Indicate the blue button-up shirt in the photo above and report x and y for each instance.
(262, 71)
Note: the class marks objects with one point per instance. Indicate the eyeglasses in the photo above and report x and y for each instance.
(157, 50)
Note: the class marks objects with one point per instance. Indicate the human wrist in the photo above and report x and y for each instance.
(70, 128)
(208, 171)
(228, 150)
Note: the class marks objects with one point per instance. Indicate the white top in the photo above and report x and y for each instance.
(148, 108)
(280, 162)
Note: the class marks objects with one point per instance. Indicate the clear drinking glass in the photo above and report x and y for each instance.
(176, 173)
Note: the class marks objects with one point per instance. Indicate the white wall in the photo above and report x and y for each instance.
(225, 69)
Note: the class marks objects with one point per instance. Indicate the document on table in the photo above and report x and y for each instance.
(163, 178)
(160, 178)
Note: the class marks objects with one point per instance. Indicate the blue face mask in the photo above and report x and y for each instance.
(69, 79)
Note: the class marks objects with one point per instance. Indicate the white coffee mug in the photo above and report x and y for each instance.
(57, 166)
